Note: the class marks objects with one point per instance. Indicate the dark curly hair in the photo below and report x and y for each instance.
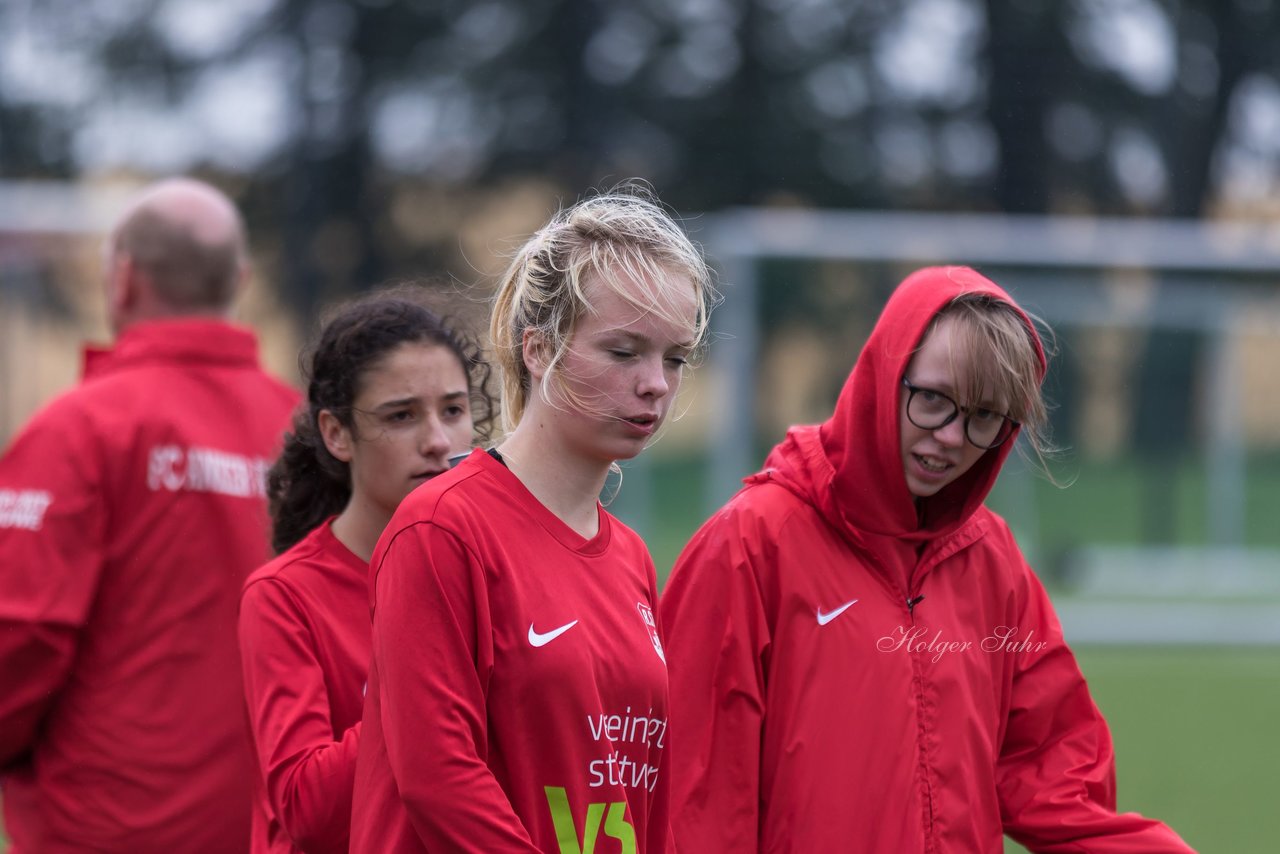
(307, 484)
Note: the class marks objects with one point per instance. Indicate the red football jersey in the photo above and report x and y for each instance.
(131, 511)
(518, 692)
(304, 641)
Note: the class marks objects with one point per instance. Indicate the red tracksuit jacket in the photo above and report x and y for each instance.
(131, 511)
(304, 642)
(518, 692)
(815, 708)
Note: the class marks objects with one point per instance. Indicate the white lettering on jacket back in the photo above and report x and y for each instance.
(205, 470)
(23, 508)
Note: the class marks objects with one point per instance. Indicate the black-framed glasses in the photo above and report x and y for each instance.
(930, 409)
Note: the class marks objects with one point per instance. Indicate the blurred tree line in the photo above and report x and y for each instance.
(352, 129)
(370, 140)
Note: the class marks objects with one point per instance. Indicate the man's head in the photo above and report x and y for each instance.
(178, 250)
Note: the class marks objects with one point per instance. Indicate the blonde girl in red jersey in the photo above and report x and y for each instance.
(393, 391)
(518, 692)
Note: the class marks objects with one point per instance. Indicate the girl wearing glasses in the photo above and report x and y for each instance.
(861, 659)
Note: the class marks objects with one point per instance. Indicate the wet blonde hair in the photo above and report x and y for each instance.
(993, 357)
(622, 239)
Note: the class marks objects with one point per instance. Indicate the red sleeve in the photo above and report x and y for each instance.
(1056, 772)
(432, 647)
(308, 769)
(51, 557)
(34, 661)
(718, 639)
(658, 835)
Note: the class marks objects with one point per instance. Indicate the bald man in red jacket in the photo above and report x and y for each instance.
(131, 510)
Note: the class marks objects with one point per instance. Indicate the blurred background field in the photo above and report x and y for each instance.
(1114, 163)
(1192, 731)
(1104, 502)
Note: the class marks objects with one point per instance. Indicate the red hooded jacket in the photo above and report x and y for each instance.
(131, 510)
(849, 674)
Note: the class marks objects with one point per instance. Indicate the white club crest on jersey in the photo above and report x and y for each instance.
(646, 614)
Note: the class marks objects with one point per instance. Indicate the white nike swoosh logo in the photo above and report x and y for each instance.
(823, 619)
(544, 638)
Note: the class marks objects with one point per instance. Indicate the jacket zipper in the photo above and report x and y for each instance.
(911, 602)
(918, 678)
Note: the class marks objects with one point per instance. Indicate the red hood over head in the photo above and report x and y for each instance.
(850, 468)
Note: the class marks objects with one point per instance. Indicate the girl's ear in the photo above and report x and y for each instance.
(535, 352)
(335, 435)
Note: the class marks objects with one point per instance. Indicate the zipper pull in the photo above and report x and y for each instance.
(911, 604)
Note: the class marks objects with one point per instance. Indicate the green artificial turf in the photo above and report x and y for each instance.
(1195, 742)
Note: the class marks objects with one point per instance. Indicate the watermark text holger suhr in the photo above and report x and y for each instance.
(917, 639)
